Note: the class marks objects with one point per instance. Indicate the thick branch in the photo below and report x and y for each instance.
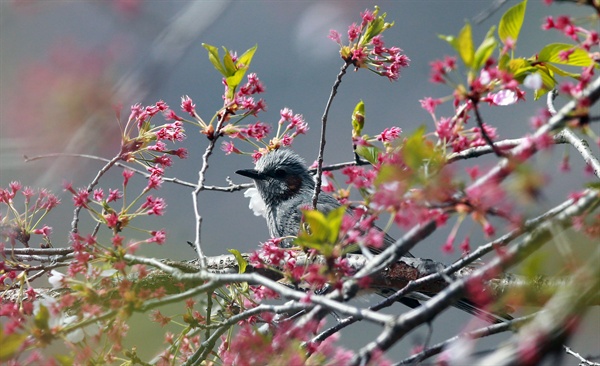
(397, 276)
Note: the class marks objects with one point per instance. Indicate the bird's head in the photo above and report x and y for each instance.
(279, 176)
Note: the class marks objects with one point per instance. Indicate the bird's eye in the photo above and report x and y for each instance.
(280, 173)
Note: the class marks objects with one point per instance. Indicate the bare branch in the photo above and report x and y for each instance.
(200, 187)
(551, 328)
(583, 149)
(478, 333)
(396, 330)
(583, 361)
(477, 151)
(337, 83)
(488, 12)
(90, 187)
(483, 132)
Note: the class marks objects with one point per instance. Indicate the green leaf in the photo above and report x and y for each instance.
(369, 153)
(315, 226)
(246, 58)
(237, 71)
(464, 45)
(321, 231)
(485, 50)
(521, 68)
(358, 119)
(593, 185)
(518, 64)
(417, 150)
(537, 94)
(11, 344)
(561, 72)
(213, 56)
(334, 221)
(228, 63)
(241, 261)
(42, 317)
(547, 78)
(551, 53)
(511, 22)
(376, 27)
(504, 61)
(234, 80)
(450, 39)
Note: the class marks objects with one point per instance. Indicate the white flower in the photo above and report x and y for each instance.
(44, 300)
(485, 78)
(61, 320)
(56, 279)
(459, 351)
(326, 185)
(257, 205)
(504, 97)
(108, 272)
(533, 81)
(75, 336)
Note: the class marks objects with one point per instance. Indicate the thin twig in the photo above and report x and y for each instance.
(550, 101)
(338, 166)
(488, 12)
(334, 89)
(90, 187)
(484, 134)
(200, 187)
(583, 149)
(583, 361)
(207, 346)
(477, 151)
(230, 188)
(478, 333)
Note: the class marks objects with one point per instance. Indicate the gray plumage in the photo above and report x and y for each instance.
(286, 187)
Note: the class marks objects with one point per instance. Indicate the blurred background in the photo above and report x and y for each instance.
(68, 68)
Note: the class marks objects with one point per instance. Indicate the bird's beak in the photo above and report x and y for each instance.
(251, 173)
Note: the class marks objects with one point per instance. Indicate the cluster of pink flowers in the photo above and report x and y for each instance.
(452, 133)
(250, 347)
(441, 68)
(564, 24)
(117, 220)
(84, 250)
(492, 85)
(575, 89)
(152, 139)
(366, 48)
(508, 91)
(19, 227)
(358, 228)
(258, 133)
(359, 177)
(389, 134)
(271, 254)
(243, 102)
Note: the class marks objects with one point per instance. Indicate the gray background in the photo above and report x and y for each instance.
(154, 52)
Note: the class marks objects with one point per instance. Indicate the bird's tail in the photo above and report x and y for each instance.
(414, 301)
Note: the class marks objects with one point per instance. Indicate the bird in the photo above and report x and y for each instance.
(286, 187)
